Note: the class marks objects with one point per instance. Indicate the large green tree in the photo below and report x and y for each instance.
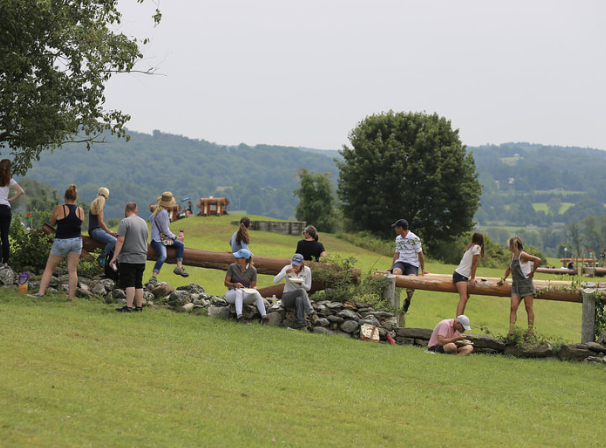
(316, 200)
(55, 58)
(412, 166)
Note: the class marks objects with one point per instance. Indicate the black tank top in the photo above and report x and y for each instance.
(70, 226)
(93, 222)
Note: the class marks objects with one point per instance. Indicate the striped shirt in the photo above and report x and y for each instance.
(408, 248)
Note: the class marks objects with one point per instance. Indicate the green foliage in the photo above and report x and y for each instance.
(413, 166)
(316, 200)
(56, 60)
(600, 314)
(89, 268)
(344, 284)
(28, 248)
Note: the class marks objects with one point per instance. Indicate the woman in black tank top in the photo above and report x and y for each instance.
(67, 244)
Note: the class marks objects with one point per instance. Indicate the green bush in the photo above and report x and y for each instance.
(29, 248)
(343, 283)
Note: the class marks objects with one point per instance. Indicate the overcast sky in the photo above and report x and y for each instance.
(305, 73)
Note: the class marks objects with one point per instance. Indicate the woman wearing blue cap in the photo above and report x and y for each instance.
(241, 281)
(298, 282)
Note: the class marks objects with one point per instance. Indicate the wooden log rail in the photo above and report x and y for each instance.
(546, 289)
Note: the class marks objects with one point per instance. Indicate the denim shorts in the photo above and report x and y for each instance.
(456, 278)
(68, 246)
(407, 269)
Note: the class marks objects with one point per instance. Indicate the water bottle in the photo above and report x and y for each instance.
(181, 234)
(274, 299)
(23, 283)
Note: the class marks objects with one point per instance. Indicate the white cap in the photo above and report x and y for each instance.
(464, 320)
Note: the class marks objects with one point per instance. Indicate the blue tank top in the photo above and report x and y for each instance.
(70, 226)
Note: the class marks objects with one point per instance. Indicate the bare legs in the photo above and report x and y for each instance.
(464, 297)
(72, 269)
(513, 315)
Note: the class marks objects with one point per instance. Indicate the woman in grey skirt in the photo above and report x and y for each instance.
(522, 287)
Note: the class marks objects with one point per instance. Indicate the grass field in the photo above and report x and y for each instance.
(80, 374)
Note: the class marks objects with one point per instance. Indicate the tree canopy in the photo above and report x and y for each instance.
(412, 166)
(316, 200)
(56, 58)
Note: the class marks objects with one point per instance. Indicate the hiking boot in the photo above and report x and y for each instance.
(37, 296)
(265, 321)
(139, 308)
(101, 261)
(241, 320)
(125, 309)
(180, 271)
(406, 305)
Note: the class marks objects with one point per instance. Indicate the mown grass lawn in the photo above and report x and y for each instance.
(81, 374)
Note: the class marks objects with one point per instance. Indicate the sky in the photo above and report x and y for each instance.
(304, 74)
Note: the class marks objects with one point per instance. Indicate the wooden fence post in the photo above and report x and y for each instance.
(588, 329)
(392, 294)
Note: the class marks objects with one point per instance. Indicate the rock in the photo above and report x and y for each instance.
(574, 352)
(595, 359)
(404, 341)
(108, 283)
(530, 350)
(422, 342)
(179, 298)
(64, 278)
(372, 320)
(323, 322)
(7, 277)
(391, 323)
(335, 319)
(348, 314)
(119, 294)
(188, 306)
(193, 288)
(275, 319)
(83, 293)
(595, 347)
(419, 333)
(350, 306)
(222, 312)
(219, 301)
(162, 290)
(99, 288)
(486, 344)
(349, 326)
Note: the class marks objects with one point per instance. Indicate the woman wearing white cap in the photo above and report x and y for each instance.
(298, 282)
(241, 281)
(160, 230)
(97, 229)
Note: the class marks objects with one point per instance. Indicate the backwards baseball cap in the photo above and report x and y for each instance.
(464, 320)
(243, 253)
(297, 259)
(400, 223)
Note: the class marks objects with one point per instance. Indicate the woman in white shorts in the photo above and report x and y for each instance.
(67, 244)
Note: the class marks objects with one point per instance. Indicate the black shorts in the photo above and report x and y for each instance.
(436, 348)
(456, 278)
(131, 275)
(407, 269)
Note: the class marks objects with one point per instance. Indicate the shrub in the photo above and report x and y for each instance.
(29, 248)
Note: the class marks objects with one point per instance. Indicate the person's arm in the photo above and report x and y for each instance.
(507, 272)
(421, 259)
(474, 266)
(396, 255)
(117, 249)
(231, 284)
(53, 219)
(163, 222)
(280, 275)
(443, 341)
(536, 261)
(102, 224)
(322, 254)
(253, 284)
(307, 282)
(20, 191)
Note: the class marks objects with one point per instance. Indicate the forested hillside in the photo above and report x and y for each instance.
(542, 188)
(259, 179)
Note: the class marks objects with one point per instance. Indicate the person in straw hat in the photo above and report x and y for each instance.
(97, 229)
(160, 224)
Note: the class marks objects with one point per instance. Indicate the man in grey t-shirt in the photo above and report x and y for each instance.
(131, 251)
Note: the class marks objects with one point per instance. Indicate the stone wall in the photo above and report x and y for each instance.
(333, 317)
